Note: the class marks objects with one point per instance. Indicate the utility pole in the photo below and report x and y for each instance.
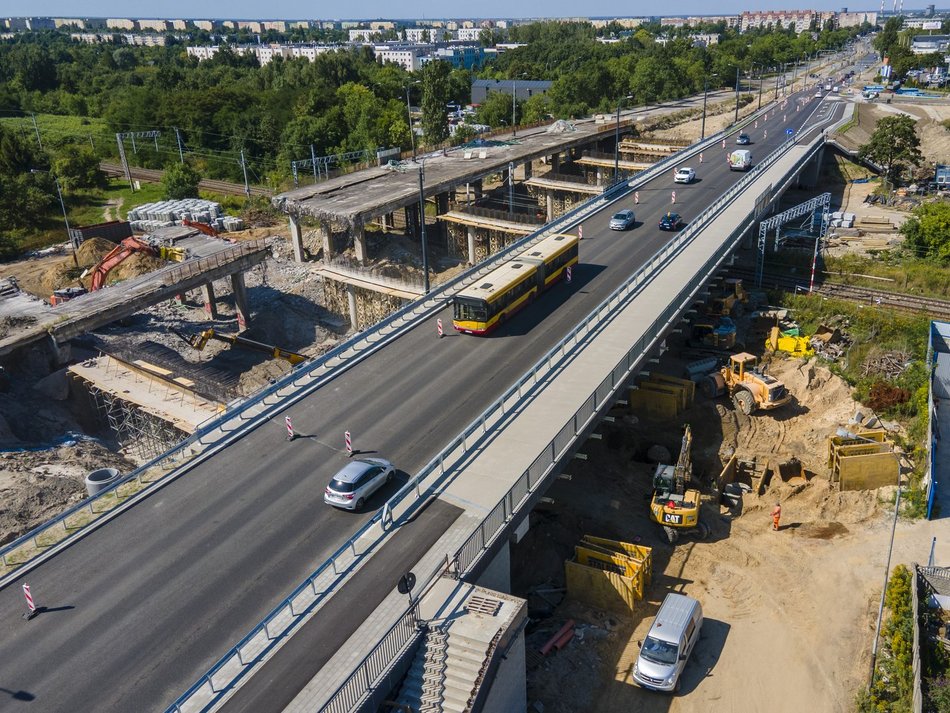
(125, 161)
(37, 130)
(412, 133)
(422, 227)
(760, 86)
(511, 188)
(702, 130)
(736, 121)
(247, 190)
(313, 157)
(514, 130)
(181, 154)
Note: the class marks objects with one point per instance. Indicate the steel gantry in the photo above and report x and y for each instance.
(817, 211)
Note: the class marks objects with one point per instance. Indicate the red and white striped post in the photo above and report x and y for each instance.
(784, 118)
(580, 232)
(674, 197)
(568, 275)
(814, 263)
(349, 444)
(290, 429)
(438, 323)
(700, 156)
(636, 197)
(757, 124)
(765, 133)
(30, 604)
(724, 143)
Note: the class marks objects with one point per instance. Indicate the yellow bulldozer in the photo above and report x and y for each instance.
(674, 505)
(750, 388)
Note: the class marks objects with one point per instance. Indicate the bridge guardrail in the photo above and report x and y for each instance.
(40, 539)
(383, 517)
(351, 691)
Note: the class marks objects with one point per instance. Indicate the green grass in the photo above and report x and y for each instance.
(55, 129)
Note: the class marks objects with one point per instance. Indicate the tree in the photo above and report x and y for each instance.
(78, 167)
(927, 233)
(435, 95)
(180, 181)
(495, 110)
(893, 145)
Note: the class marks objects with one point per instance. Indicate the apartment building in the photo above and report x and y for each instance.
(152, 25)
(362, 35)
(120, 23)
(801, 19)
(206, 25)
(407, 58)
(855, 19)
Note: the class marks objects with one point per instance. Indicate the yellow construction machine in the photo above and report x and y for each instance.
(200, 341)
(730, 299)
(749, 388)
(793, 344)
(674, 505)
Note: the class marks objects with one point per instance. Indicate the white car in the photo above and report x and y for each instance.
(351, 487)
(684, 175)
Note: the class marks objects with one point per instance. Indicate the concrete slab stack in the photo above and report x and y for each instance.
(164, 214)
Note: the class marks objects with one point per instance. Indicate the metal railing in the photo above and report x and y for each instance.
(479, 427)
(47, 535)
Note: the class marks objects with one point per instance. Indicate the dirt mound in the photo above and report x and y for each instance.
(93, 250)
(135, 265)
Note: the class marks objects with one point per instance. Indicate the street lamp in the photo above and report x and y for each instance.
(617, 139)
(422, 227)
(702, 130)
(62, 205)
(514, 126)
(737, 96)
(761, 73)
(412, 133)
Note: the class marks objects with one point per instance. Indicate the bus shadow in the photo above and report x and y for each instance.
(549, 301)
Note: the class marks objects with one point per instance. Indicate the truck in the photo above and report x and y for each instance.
(941, 177)
(740, 160)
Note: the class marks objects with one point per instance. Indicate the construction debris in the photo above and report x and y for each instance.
(830, 343)
(889, 365)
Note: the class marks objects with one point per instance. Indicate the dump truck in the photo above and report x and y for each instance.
(674, 505)
(750, 388)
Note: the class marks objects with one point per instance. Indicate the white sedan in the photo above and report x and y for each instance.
(684, 175)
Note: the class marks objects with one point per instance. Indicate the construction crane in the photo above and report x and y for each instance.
(200, 341)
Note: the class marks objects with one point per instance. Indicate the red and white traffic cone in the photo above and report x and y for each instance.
(636, 198)
(700, 157)
(674, 197)
(724, 143)
(349, 444)
(580, 232)
(756, 124)
(290, 429)
(30, 604)
(438, 323)
(567, 274)
(765, 134)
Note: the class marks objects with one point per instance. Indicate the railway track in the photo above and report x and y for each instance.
(863, 295)
(155, 176)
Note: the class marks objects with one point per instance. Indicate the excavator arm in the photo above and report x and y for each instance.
(200, 341)
(114, 257)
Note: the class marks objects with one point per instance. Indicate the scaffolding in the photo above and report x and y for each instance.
(146, 435)
(815, 214)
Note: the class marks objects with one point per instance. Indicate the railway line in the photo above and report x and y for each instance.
(930, 306)
(153, 175)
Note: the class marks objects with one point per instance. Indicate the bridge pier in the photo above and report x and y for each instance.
(811, 173)
(497, 575)
(471, 245)
(296, 237)
(359, 242)
(326, 237)
(240, 299)
(351, 303)
(211, 306)
(549, 199)
(527, 170)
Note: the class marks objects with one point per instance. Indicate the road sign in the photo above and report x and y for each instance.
(789, 132)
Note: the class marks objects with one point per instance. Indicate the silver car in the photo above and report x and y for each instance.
(622, 220)
(355, 482)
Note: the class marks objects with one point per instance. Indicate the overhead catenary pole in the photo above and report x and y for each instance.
(702, 129)
(737, 95)
(181, 153)
(514, 129)
(422, 228)
(37, 130)
(247, 189)
(313, 157)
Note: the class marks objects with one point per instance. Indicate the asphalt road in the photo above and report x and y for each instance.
(140, 608)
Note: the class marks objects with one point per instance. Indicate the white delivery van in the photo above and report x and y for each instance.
(740, 160)
(672, 638)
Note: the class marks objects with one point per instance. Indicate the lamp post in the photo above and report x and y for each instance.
(412, 133)
(702, 130)
(617, 138)
(514, 126)
(736, 120)
(761, 73)
(62, 205)
(422, 227)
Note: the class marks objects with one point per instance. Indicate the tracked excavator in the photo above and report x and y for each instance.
(674, 505)
(200, 341)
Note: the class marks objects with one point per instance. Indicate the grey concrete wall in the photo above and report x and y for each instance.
(509, 689)
(497, 575)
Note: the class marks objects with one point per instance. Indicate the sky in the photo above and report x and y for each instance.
(395, 9)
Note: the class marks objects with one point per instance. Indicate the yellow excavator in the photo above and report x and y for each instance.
(200, 341)
(674, 505)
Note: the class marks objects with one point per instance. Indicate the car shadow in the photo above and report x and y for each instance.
(706, 655)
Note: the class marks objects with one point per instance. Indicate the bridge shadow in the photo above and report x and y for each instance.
(549, 302)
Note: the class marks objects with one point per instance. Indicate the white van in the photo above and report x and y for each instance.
(740, 160)
(669, 643)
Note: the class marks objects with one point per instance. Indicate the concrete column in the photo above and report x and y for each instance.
(550, 201)
(359, 242)
(326, 236)
(527, 170)
(477, 188)
(240, 299)
(211, 306)
(471, 245)
(556, 163)
(441, 208)
(497, 575)
(411, 211)
(296, 238)
(351, 301)
(600, 176)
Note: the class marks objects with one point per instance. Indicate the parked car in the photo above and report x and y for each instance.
(818, 94)
(671, 221)
(355, 482)
(743, 140)
(684, 175)
(622, 220)
(670, 641)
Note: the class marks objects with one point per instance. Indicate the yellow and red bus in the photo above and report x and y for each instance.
(482, 306)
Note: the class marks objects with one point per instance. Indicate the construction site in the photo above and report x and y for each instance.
(116, 348)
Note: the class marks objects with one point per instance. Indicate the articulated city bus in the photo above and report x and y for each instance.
(483, 305)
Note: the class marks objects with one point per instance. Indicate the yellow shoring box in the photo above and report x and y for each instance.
(689, 387)
(608, 574)
(653, 400)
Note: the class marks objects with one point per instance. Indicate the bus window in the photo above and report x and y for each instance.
(470, 311)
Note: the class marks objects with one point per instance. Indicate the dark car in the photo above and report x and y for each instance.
(671, 221)
(743, 140)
